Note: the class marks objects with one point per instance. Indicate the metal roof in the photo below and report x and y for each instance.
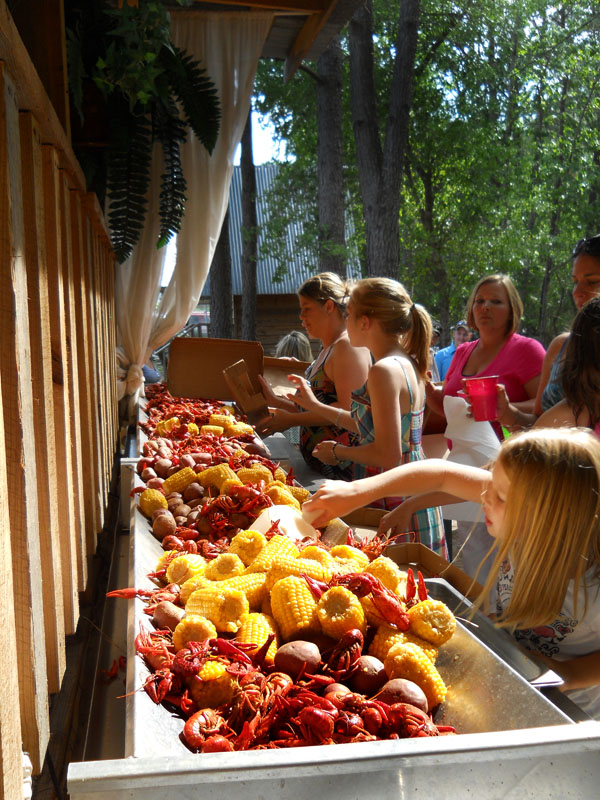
(299, 266)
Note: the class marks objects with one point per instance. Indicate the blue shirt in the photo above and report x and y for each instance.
(443, 358)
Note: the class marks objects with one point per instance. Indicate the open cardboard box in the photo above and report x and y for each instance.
(276, 371)
(364, 522)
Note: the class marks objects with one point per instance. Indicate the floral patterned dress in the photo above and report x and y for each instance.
(324, 390)
(427, 524)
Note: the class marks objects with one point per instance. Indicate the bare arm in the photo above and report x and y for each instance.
(549, 359)
(577, 673)
(400, 517)
(337, 498)
(434, 396)
(559, 416)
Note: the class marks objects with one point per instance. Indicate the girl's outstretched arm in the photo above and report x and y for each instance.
(400, 518)
(337, 498)
(577, 673)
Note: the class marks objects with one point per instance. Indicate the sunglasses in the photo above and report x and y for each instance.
(589, 246)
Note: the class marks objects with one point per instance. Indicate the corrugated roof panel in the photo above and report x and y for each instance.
(299, 266)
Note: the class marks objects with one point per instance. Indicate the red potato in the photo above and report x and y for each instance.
(369, 677)
(164, 525)
(167, 615)
(162, 467)
(186, 460)
(296, 657)
(148, 474)
(400, 690)
(192, 517)
(155, 483)
(194, 503)
(159, 512)
(336, 687)
(182, 510)
(201, 458)
(181, 520)
(193, 491)
(173, 502)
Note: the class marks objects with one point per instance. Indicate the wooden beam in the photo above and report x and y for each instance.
(293, 6)
(305, 39)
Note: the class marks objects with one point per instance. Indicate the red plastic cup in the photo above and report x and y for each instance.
(483, 396)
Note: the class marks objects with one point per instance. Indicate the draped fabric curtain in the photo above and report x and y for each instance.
(228, 46)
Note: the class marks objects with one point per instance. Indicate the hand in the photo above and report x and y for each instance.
(396, 521)
(304, 395)
(268, 393)
(324, 452)
(502, 401)
(332, 499)
(278, 420)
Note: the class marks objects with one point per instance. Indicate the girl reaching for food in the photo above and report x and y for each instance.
(386, 414)
(541, 502)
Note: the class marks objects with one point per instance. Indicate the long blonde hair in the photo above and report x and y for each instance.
(389, 303)
(326, 286)
(551, 530)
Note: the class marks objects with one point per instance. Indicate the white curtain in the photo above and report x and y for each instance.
(228, 46)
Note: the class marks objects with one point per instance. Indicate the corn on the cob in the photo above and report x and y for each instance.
(253, 585)
(265, 606)
(190, 586)
(281, 497)
(319, 554)
(166, 558)
(239, 429)
(299, 492)
(339, 610)
(215, 475)
(385, 638)
(179, 480)
(213, 686)
(217, 430)
(256, 629)
(193, 429)
(406, 660)
(279, 475)
(294, 607)
(278, 545)
(255, 473)
(151, 500)
(282, 566)
(223, 606)
(165, 426)
(223, 420)
(387, 571)
(193, 628)
(433, 621)
(247, 545)
(345, 554)
(229, 485)
(225, 565)
(184, 567)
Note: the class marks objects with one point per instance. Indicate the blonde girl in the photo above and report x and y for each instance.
(541, 503)
(386, 413)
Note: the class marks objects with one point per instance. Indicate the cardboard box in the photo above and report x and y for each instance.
(364, 523)
(196, 366)
(276, 371)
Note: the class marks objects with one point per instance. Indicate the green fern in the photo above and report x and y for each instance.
(170, 131)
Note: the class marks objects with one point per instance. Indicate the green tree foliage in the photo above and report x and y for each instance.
(502, 169)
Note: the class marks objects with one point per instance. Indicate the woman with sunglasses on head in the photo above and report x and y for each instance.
(337, 370)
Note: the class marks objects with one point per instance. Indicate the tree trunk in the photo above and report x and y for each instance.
(249, 235)
(221, 289)
(330, 162)
(380, 168)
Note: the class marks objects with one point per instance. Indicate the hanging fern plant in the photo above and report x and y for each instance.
(151, 91)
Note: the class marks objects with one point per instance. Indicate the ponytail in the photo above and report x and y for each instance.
(417, 339)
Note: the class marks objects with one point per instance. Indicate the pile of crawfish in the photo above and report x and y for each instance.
(199, 522)
(269, 709)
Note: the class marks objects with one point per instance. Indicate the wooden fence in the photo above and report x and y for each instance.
(58, 405)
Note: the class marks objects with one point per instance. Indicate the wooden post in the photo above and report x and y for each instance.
(19, 433)
(41, 374)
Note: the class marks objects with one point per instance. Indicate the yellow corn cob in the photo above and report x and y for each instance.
(344, 553)
(193, 429)
(225, 409)
(256, 629)
(387, 571)
(239, 429)
(282, 566)
(190, 586)
(223, 420)
(216, 429)
(213, 686)
(433, 621)
(255, 473)
(215, 475)
(265, 606)
(385, 638)
(278, 545)
(319, 554)
(225, 565)
(166, 558)
(179, 480)
(151, 500)
(253, 585)
(294, 607)
(193, 628)
(281, 497)
(185, 567)
(247, 545)
(339, 610)
(223, 606)
(279, 475)
(166, 425)
(299, 492)
(406, 660)
(229, 484)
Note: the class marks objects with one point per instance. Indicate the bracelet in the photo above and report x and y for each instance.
(333, 453)
(337, 419)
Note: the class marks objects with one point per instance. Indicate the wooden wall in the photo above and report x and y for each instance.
(276, 316)
(58, 406)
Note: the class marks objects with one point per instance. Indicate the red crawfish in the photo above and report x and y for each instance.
(343, 660)
(200, 726)
(415, 593)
